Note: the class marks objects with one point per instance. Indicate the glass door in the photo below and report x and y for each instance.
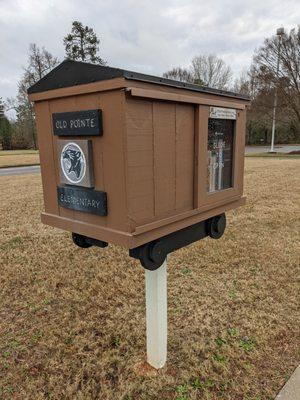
(220, 154)
(220, 143)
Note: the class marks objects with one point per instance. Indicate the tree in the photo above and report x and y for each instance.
(288, 79)
(5, 128)
(179, 74)
(243, 84)
(40, 62)
(264, 81)
(5, 133)
(1, 108)
(82, 44)
(212, 71)
(204, 70)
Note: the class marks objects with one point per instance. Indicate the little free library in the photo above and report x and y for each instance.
(140, 161)
(144, 162)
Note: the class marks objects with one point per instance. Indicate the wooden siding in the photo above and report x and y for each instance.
(108, 156)
(160, 158)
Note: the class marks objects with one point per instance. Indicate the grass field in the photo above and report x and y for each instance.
(17, 158)
(17, 152)
(72, 321)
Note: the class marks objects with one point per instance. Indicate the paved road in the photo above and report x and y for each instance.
(20, 170)
(265, 149)
(291, 390)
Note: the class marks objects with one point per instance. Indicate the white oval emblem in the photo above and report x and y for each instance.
(73, 163)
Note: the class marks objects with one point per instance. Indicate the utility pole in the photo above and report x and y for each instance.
(279, 33)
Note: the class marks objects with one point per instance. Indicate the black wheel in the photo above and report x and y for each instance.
(152, 256)
(80, 241)
(157, 253)
(215, 226)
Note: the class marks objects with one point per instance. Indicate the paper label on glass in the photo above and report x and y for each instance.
(222, 113)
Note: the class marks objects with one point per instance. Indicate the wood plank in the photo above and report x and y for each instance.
(164, 157)
(106, 234)
(182, 98)
(92, 101)
(187, 92)
(185, 133)
(139, 144)
(114, 156)
(181, 215)
(129, 240)
(60, 105)
(197, 147)
(44, 130)
(116, 83)
(163, 230)
(239, 151)
(108, 155)
(202, 155)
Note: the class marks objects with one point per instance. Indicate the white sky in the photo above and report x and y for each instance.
(146, 36)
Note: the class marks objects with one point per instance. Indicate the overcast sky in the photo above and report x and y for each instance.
(146, 36)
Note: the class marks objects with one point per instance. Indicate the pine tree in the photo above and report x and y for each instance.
(82, 44)
(5, 129)
(5, 133)
(1, 108)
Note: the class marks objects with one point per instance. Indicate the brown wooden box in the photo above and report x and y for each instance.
(152, 159)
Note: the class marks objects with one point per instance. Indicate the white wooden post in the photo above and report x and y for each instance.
(156, 316)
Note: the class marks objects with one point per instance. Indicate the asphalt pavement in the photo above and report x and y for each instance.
(281, 148)
(291, 390)
(32, 169)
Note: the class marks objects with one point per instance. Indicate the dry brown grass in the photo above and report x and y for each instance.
(72, 321)
(18, 160)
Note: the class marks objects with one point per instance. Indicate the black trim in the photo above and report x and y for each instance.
(153, 254)
(72, 73)
(85, 242)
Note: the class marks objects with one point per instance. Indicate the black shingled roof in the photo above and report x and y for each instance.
(71, 73)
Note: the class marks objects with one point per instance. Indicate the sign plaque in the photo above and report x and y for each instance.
(75, 162)
(222, 113)
(78, 123)
(81, 199)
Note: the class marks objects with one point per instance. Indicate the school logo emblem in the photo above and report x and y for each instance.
(73, 163)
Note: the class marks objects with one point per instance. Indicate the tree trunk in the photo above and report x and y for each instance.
(32, 126)
(266, 136)
(33, 135)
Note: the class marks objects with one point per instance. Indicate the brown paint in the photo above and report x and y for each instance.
(151, 159)
(192, 99)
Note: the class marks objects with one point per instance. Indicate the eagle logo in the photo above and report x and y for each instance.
(73, 163)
